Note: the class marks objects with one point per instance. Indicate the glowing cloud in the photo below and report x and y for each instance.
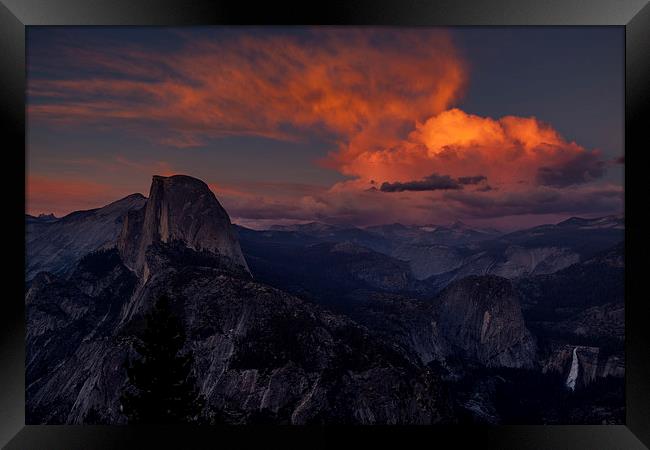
(382, 98)
(510, 151)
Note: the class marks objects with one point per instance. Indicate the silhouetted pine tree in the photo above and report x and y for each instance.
(164, 390)
(93, 417)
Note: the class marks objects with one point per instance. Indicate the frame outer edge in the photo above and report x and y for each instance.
(38, 12)
(12, 319)
(359, 12)
(637, 113)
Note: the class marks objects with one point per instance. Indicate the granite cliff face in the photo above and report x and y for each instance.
(476, 320)
(71, 356)
(178, 208)
(480, 317)
(592, 364)
(259, 352)
(56, 245)
(581, 307)
(378, 292)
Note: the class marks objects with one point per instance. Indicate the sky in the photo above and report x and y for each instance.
(502, 127)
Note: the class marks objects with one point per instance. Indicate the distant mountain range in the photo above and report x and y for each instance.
(445, 252)
(316, 323)
(449, 253)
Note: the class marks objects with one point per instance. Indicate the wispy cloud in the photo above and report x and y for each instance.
(353, 84)
(382, 98)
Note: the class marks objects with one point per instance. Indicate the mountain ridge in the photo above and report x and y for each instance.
(57, 246)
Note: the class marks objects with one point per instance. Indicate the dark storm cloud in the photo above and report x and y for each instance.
(583, 168)
(433, 182)
(472, 180)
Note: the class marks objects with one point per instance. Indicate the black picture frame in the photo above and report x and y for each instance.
(15, 15)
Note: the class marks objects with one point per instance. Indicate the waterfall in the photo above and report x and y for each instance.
(573, 373)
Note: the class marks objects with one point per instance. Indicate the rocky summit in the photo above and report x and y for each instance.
(178, 208)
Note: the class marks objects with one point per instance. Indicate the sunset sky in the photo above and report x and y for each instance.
(506, 127)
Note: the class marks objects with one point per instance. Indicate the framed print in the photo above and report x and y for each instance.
(376, 222)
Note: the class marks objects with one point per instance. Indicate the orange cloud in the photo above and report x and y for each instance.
(361, 87)
(509, 152)
(383, 97)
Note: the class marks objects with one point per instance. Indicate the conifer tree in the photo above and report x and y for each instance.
(163, 389)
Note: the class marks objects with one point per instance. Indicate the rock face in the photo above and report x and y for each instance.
(517, 261)
(582, 304)
(592, 364)
(594, 324)
(406, 322)
(262, 350)
(378, 292)
(260, 354)
(331, 329)
(326, 271)
(480, 317)
(429, 260)
(56, 245)
(179, 208)
(582, 308)
(70, 352)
